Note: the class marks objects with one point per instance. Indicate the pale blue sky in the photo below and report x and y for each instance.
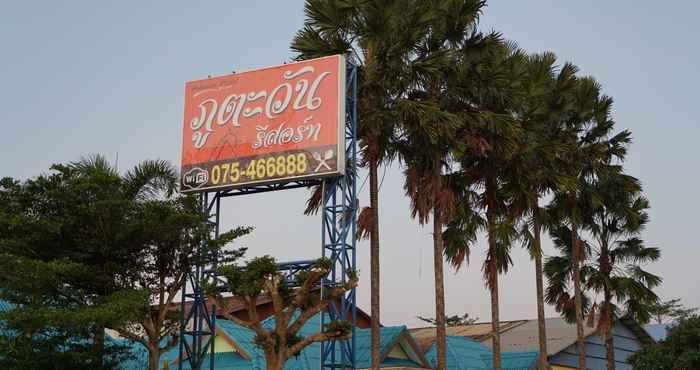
(83, 77)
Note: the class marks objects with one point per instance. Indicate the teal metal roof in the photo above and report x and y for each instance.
(6, 306)
(396, 362)
(242, 336)
(223, 361)
(462, 354)
(515, 360)
(138, 355)
(308, 359)
(363, 343)
(468, 354)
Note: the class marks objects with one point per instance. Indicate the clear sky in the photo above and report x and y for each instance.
(85, 77)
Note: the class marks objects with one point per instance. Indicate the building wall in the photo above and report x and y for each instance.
(625, 342)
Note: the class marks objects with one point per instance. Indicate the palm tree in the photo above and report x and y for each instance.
(615, 254)
(491, 89)
(594, 147)
(379, 36)
(535, 170)
(432, 130)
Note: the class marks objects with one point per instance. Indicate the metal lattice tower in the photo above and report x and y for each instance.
(338, 239)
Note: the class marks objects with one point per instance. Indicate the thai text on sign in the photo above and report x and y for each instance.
(269, 125)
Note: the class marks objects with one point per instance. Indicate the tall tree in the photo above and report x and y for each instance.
(672, 310)
(108, 250)
(594, 148)
(432, 131)
(454, 320)
(616, 253)
(294, 303)
(491, 88)
(170, 233)
(536, 168)
(74, 229)
(378, 36)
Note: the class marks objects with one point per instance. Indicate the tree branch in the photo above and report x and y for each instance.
(318, 337)
(272, 286)
(322, 303)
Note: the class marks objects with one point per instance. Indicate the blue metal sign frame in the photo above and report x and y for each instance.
(338, 239)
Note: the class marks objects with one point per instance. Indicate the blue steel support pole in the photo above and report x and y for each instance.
(203, 323)
(215, 265)
(339, 222)
(355, 205)
(183, 323)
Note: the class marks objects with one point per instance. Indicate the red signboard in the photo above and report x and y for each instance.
(264, 126)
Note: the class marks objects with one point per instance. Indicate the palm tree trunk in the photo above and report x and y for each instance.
(374, 232)
(580, 345)
(606, 268)
(492, 267)
(542, 329)
(495, 317)
(439, 274)
(374, 261)
(609, 345)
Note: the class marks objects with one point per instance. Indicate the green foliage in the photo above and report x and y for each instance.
(58, 350)
(454, 320)
(338, 329)
(249, 281)
(680, 349)
(672, 310)
(614, 216)
(293, 303)
(83, 248)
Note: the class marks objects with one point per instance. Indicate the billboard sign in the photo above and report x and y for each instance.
(265, 126)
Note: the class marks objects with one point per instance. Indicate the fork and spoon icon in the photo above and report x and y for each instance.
(328, 154)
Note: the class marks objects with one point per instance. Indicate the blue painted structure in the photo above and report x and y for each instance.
(626, 343)
(252, 357)
(338, 239)
(465, 353)
(658, 331)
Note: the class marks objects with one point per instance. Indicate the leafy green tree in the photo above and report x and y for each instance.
(672, 310)
(47, 330)
(454, 320)
(612, 267)
(107, 251)
(293, 304)
(679, 350)
(172, 233)
(72, 230)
